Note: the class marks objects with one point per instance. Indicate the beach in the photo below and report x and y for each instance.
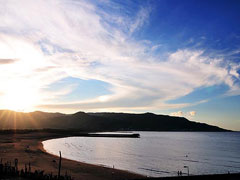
(156, 154)
(27, 147)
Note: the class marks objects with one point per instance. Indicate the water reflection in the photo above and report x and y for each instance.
(156, 153)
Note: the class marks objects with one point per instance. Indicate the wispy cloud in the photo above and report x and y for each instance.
(192, 113)
(58, 39)
(189, 114)
(7, 61)
(178, 114)
(140, 19)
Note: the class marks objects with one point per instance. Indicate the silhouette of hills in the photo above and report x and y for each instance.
(100, 122)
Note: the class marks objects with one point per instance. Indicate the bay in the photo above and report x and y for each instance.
(156, 154)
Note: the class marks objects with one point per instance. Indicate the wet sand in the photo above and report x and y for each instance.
(235, 176)
(27, 147)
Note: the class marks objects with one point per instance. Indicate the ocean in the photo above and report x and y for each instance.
(156, 154)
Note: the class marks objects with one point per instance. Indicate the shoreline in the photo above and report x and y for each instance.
(40, 146)
(28, 147)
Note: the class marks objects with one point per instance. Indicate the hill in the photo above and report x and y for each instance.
(100, 122)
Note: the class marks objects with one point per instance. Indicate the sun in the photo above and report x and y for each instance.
(20, 97)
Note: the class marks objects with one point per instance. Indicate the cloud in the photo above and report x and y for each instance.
(7, 61)
(189, 114)
(58, 39)
(155, 47)
(178, 114)
(140, 19)
(192, 113)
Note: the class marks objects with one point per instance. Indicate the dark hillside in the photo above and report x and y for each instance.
(100, 122)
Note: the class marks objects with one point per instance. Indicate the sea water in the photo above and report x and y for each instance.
(156, 153)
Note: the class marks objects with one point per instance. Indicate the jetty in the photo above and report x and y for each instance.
(113, 135)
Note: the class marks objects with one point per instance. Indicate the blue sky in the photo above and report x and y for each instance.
(173, 57)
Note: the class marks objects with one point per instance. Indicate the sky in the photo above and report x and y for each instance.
(179, 58)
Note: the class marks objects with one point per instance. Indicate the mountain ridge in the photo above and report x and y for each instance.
(106, 121)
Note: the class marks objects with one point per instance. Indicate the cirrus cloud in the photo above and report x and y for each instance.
(59, 39)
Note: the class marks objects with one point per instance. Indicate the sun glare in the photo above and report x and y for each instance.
(20, 98)
(20, 91)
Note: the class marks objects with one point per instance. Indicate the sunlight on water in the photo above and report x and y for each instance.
(156, 153)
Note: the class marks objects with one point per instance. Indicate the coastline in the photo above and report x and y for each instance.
(28, 147)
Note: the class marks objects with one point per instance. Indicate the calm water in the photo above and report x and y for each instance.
(156, 153)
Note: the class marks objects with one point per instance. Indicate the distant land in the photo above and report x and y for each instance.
(100, 122)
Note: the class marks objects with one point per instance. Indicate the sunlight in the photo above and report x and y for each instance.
(20, 97)
(20, 91)
(103, 98)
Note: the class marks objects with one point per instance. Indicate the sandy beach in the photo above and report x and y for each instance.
(27, 147)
